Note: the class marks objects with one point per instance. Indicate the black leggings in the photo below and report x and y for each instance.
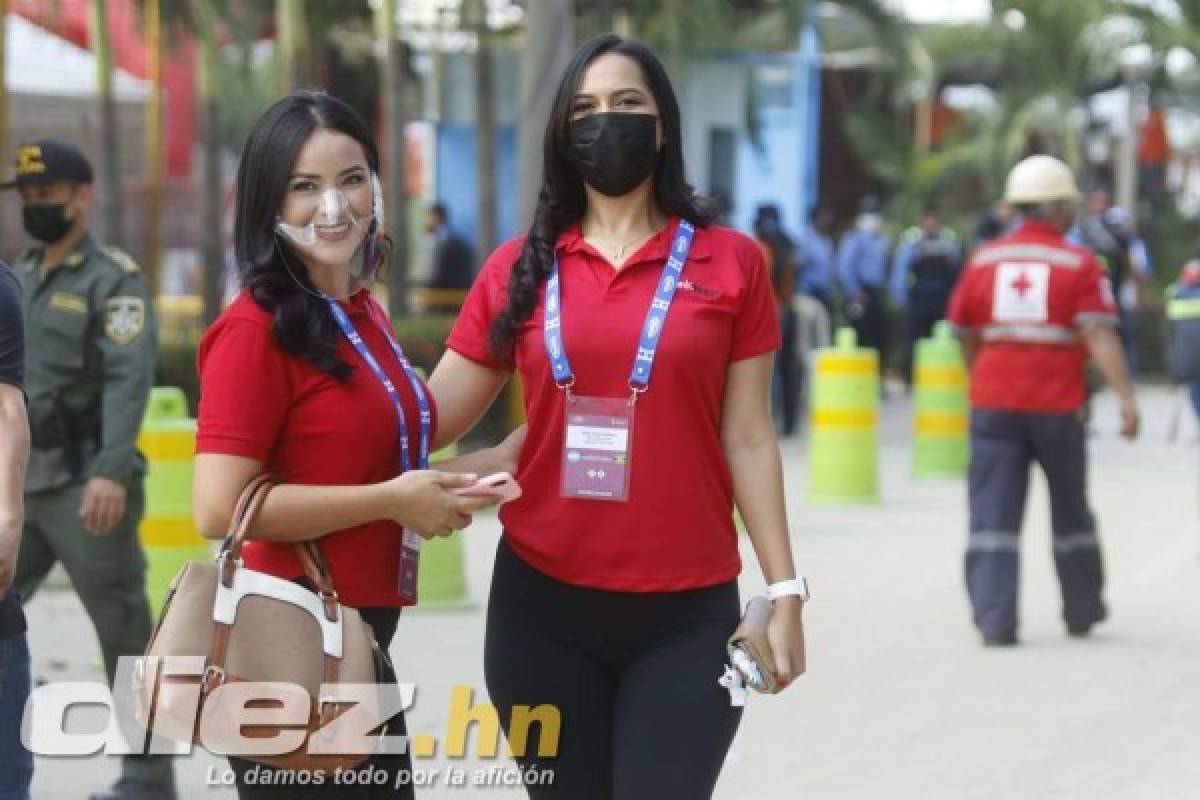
(283, 785)
(633, 674)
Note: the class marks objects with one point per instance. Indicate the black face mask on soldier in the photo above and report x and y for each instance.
(614, 152)
(46, 223)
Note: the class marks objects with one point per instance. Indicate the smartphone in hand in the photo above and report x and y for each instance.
(501, 487)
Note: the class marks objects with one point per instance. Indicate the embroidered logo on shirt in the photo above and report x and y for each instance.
(699, 289)
(126, 318)
(66, 301)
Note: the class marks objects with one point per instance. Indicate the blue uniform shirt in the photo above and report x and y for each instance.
(862, 260)
(914, 245)
(818, 259)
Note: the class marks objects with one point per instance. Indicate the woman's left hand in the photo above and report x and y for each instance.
(508, 452)
(786, 634)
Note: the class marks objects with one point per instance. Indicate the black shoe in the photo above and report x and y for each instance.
(1001, 640)
(1083, 631)
(130, 789)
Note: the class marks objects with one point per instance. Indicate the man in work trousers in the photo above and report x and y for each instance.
(90, 351)
(1030, 308)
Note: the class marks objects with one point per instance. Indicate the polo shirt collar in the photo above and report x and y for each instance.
(656, 249)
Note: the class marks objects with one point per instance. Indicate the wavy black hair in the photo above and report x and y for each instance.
(303, 326)
(562, 199)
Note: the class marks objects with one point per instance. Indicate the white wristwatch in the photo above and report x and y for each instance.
(797, 587)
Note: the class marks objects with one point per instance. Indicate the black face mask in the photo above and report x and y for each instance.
(614, 152)
(48, 223)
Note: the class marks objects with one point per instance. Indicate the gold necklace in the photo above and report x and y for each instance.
(618, 250)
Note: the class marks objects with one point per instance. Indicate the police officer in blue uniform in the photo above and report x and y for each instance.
(862, 272)
(926, 266)
(817, 256)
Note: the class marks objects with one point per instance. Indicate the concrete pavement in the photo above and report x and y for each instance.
(900, 700)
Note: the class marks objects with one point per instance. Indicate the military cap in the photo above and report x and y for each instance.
(47, 161)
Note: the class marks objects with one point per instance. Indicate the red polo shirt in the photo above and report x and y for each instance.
(1027, 294)
(676, 531)
(307, 427)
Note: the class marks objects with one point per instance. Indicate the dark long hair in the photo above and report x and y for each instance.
(562, 199)
(303, 325)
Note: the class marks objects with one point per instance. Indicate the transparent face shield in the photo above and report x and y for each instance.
(334, 209)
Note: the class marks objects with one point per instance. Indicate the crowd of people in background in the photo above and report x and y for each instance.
(891, 284)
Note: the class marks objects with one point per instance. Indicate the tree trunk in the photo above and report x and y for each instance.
(293, 41)
(213, 249)
(550, 41)
(110, 155)
(622, 22)
(154, 149)
(394, 152)
(485, 138)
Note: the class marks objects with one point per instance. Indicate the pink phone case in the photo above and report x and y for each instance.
(501, 486)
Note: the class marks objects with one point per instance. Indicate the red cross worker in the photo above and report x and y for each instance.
(1030, 309)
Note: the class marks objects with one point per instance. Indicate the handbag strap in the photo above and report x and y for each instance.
(249, 504)
(318, 572)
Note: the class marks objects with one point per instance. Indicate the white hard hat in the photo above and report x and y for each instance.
(1039, 179)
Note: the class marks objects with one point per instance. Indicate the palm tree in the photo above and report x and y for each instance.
(394, 147)
(110, 164)
(205, 20)
(709, 26)
(295, 45)
(1042, 60)
(207, 76)
(549, 41)
(485, 126)
(154, 148)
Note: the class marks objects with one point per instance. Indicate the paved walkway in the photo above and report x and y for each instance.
(900, 700)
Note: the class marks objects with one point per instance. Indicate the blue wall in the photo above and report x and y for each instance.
(785, 171)
(456, 183)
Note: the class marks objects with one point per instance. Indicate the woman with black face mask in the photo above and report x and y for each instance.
(644, 336)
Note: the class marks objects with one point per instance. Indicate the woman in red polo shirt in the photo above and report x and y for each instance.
(300, 377)
(644, 337)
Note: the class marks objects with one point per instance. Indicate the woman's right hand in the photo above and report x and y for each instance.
(423, 501)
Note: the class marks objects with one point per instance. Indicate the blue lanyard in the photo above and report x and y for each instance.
(656, 316)
(352, 336)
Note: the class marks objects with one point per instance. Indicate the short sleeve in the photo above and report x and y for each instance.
(245, 390)
(12, 334)
(756, 327)
(470, 336)
(1094, 299)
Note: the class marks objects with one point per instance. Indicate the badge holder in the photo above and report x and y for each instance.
(598, 446)
(410, 564)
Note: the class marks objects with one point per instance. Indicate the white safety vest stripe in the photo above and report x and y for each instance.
(1036, 333)
(1072, 542)
(992, 542)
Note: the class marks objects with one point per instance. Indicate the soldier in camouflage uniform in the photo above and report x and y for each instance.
(91, 344)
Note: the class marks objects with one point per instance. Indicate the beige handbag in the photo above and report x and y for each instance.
(238, 625)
